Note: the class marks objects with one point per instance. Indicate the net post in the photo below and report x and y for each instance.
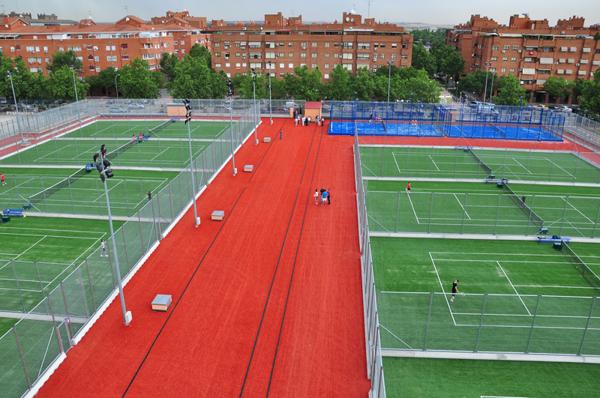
(587, 325)
(91, 282)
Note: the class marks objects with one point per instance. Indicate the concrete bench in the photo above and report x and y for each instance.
(218, 215)
(267, 139)
(162, 302)
(248, 168)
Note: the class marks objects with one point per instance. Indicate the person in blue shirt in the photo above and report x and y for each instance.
(324, 196)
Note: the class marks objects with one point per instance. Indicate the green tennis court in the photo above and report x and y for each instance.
(126, 128)
(515, 296)
(451, 378)
(462, 163)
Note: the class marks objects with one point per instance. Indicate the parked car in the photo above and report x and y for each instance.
(289, 105)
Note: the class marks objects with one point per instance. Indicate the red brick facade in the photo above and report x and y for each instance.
(530, 49)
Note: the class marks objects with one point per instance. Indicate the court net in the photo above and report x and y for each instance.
(586, 272)
(519, 201)
(481, 163)
(38, 197)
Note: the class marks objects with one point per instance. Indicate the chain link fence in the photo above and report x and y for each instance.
(54, 302)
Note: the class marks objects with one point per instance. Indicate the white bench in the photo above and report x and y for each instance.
(248, 168)
(267, 139)
(162, 302)
(218, 215)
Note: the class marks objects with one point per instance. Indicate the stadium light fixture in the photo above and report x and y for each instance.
(103, 167)
(116, 84)
(12, 86)
(270, 105)
(76, 95)
(230, 107)
(188, 119)
(254, 102)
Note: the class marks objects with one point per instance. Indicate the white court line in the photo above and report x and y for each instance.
(16, 186)
(522, 165)
(21, 289)
(433, 161)
(413, 208)
(577, 210)
(48, 236)
(23, 252)
(560, 167)
(461, 205)
(505, 254)
(396, 337)
(513, 287)
(24, 280)
(160, 153)
(541, 263)
(52, 152)
(559, 287)
(442, 286)
(119, 182)
(397, 165)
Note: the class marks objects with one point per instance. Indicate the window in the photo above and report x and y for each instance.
(313, 44)
(313, 55)
(583, 62)
(113, 58)
(504, 58)
(573, 49)
(326, 66)
(326, 45)
(513, 59)
(303, 55)
(291, 66)
(348, 67)
(503, 70)
(495, 48)
(270, 55)
(303, 45)
(281, 65)
(582, 73)
(494, 58)
(587, 50)
(347, 56)
(506, 47)
(326, 76)
(363, 46)
(348, 44)
(394, 45)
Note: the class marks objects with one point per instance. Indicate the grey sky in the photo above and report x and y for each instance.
(428, 11)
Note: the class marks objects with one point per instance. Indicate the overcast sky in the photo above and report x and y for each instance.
(428, 11)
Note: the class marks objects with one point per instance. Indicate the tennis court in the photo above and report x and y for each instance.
(389, 161)
(126, 128)
(515, 296)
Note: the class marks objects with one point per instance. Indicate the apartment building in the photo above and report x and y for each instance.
(279, 44)
(530, 49)
(101, 45)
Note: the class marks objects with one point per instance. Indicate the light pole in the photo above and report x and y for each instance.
(486, 80)
(234, 169)
(389, 80)
(12, 86)
(102, 165)
(76, 96)
(491, 87)
(254, 103)
(188, 119)
(270, 105)
(116, 85)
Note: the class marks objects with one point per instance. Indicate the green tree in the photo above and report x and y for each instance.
(559, 88)
(168, 63)
(304, 83)
(363, 85)
(136, 81)
(201, 52)
(429, 37)
(474, 83)
(423, 59)
(60, 84)
(338, 88)
(416, 87)
(64, 58)
(104, 82)
(448, 60)
(243, 86)
(27, 85)
(510, 91)
(590, 96)
(195, 79)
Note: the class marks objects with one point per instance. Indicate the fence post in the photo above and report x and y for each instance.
(430, 211)
(85, 302)
(531, 329)
(587, 325)
(12, 263)
(21, 356)
(91, 282)
(481, 318)
(426, 331)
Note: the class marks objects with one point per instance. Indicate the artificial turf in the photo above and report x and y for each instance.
(126, 128)
(451, 378)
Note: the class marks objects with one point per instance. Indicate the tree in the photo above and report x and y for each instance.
(448, 60)
(104, 82)
(201, 52)
(60, 84)
(338, 87)
(27, 85)
(304, 83)
(168, 63)
(195, 79)
(558, 88)
(428, 37)
(474, 83)
(510, 91)
(64, 58)
(597, 36)
(243, 86)
(590, 97)
(136, 81)
(416, 87)
(363, 85)
(423, 59)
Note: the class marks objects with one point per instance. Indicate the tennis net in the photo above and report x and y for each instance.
(586, 272)
(161, 126)
(532, 215)
(113, 154)
(481, 163)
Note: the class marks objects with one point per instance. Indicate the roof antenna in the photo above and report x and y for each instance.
(369, 9)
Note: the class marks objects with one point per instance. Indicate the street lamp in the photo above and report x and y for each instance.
(254, 103)
(270, 105)
(188, 119)
(116, 85)
(491, 87)
(103, 167)
(12, 86)
(76, 95)
(487, 64)
(389, 80)
(234, 169)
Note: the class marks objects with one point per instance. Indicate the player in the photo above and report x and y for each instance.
(408, 187)
(103, 250)
(324, 196)
(316, 197)
(3, 179)
(454, 289)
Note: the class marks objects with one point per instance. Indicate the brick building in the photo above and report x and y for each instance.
(280, 44)
(101, 45)
(530, 49)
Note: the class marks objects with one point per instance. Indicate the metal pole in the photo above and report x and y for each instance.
(389, 80)
(196, 218)
(76, 97)
(491, 88)
(126, 314)
(254, 103)
(117, 86)
(12, 86)
(485, 87)
(233, 169)
(270, 99)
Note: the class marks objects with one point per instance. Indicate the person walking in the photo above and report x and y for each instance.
(316, 197)
(3, 179)
(324, 196)
(103, 250)
(281, 134)
(408, 187)
(328, 197)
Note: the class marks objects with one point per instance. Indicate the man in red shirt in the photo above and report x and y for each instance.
(408, 186)
(3, 179)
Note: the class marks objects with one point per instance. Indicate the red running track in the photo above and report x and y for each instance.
(266, 302)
